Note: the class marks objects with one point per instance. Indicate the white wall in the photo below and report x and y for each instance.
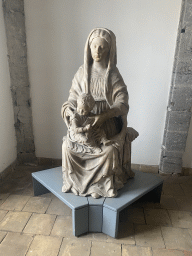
(146, 33)
(7, 132)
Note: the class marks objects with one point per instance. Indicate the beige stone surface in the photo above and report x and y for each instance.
(149, 236)
(40, 224)
(177, 238)
(72, 247)
(2, 214)
(105, 249)
(44, 246)
(15, 244)
(135, 167)
(168, 202)
(184, 203)
(172, 189)
(37, 204)
(136, 251)
(28, 191)
(133, 215)
(63, 227)
(3, 197)
(168, 252)
(99, 237)
(125, 234)
(14, 203)
(185, 180)
(149, 168)
(187, 188)
(48, 195)
(2, 235)
(59, 208)
(181, 219)
(15, 221)
(157, 217)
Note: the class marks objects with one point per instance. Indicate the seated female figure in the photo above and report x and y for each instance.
(99, 172)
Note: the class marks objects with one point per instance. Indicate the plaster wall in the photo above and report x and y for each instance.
(7, 132)
(146, 37)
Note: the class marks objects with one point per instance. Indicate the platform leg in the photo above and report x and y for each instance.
(95, 218)
(110, 222)
(80, 221)
(38, 188)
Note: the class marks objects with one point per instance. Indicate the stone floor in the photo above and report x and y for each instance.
(42, 226)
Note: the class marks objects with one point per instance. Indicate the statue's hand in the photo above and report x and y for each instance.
(69, 111)
(98, 120)
(86, 128)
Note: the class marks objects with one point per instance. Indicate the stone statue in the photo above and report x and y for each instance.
(96, 153)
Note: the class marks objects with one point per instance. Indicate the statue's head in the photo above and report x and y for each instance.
(100, 43)
(85, 104)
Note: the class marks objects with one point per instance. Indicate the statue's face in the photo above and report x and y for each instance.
(99, 49)
(83, 109)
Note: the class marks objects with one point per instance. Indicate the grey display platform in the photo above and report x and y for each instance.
(98, 215)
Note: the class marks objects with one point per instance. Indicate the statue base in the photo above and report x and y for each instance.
(98, 215)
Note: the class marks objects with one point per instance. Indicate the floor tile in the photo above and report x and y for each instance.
(3, 197)
(181, 219)
(185, 180)
(59, 208)
(168, 202)
(187, 188)
(26, 190)
(15, 221)
(149, 236)
(167, 252)
(172, 189)
(45, 246)
(133, 215)
(136, 251)
(2, 214)
(125, 234)
(75, 248)
(40, 224)
(37, 204)
(14, 203)
(177, 238)
(15, 244)
(184, 203)
(105, 249)
(63, 227)
(157, 217)
(2, 235)
(48, 195)
(99, 237)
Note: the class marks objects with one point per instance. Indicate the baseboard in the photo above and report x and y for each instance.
(8, 171)
(49, 161)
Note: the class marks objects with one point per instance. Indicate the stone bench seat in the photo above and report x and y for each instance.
(97, 215)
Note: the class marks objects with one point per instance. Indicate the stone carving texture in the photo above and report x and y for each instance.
(96, 153)
(180, 99)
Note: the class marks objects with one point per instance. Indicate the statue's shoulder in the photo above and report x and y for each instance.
(80, 71)
(115, 75)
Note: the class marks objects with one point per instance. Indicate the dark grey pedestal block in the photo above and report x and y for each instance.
(98, 215)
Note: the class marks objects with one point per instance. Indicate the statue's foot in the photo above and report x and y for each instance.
(112, 193)
(95, 195)
(65, 188)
